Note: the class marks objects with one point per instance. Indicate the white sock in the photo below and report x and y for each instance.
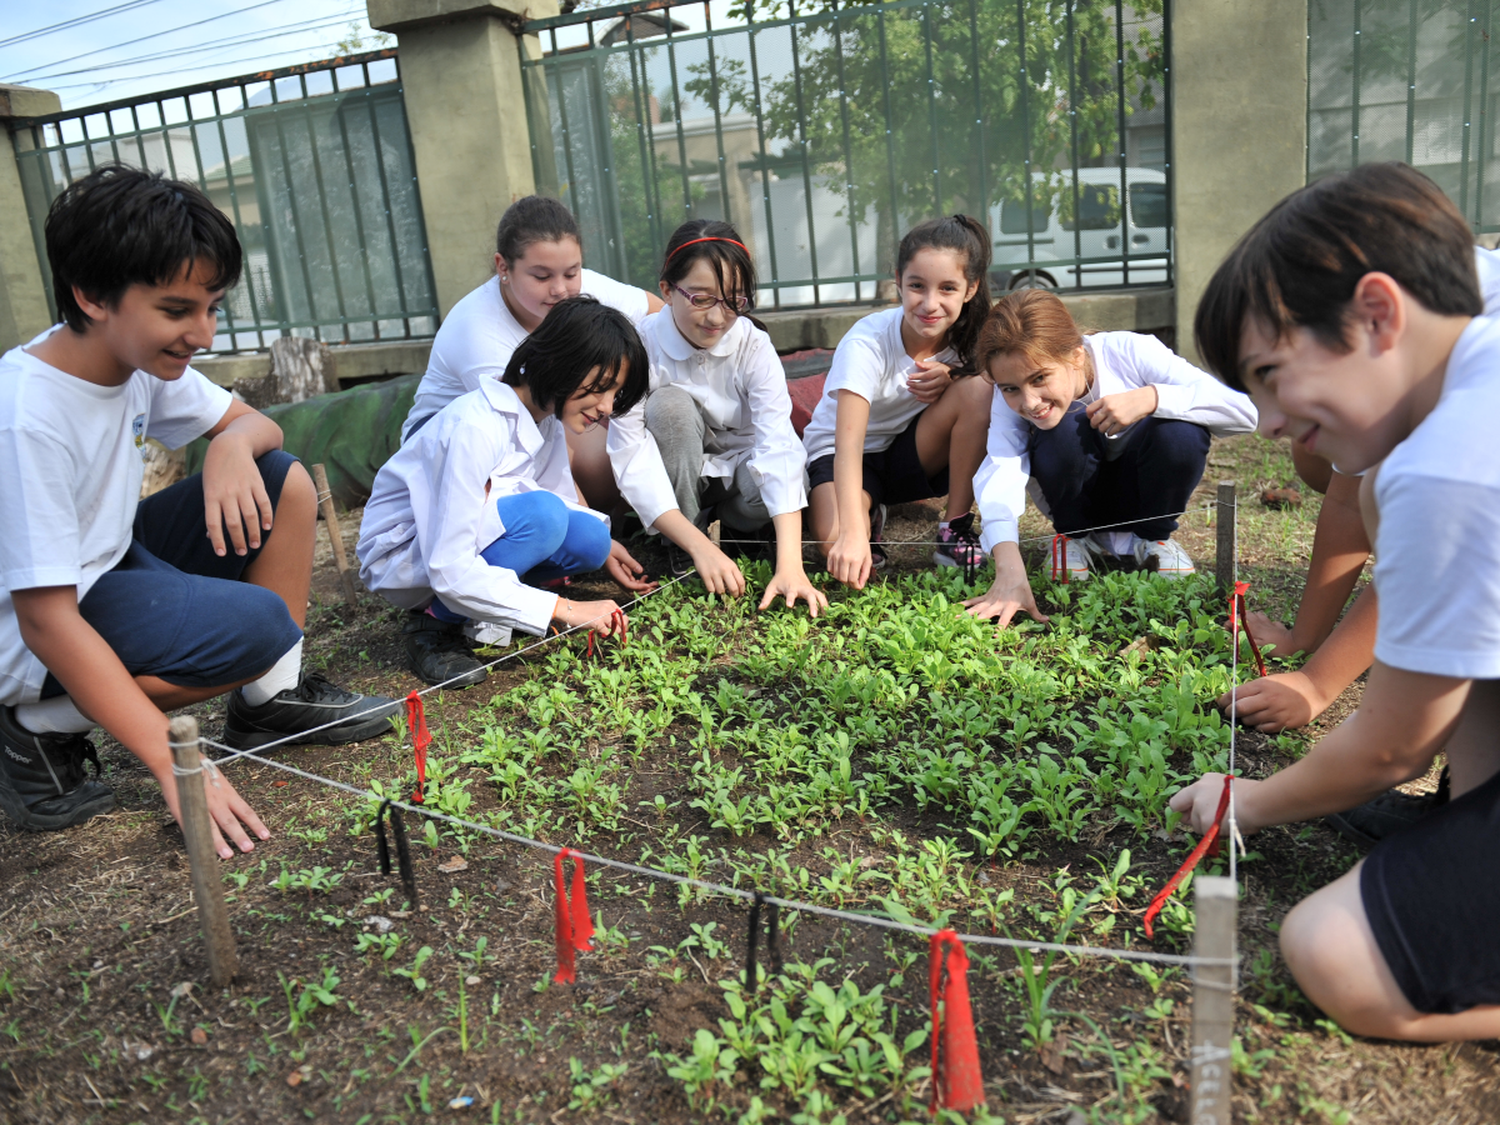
(284, 674)
(58, 715)
(1121, 543)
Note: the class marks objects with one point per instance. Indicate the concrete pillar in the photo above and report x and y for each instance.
(24, 310)
(461, 77)
(1239, 129)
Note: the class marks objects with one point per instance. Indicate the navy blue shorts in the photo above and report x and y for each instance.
(893, 475)
(172, 608)
(1430, 894)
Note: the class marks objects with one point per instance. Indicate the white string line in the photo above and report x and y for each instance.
(1234, 684)
(234, 755)
(1030, 539)
(736, 892)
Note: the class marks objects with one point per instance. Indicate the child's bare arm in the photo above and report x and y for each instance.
(234, 495)
(1288, 700)
(1340, 548)
(718, 571)
(790, 578)
(105, 691)
(1009, 593)
(1403, 721)
(849, 558)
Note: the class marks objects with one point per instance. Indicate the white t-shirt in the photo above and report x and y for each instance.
(479, 334)
(1123, 361)
(1438, 494)
(1488, 264)
(71, 461)
(740, 386)
(432, 510)
(872, 362)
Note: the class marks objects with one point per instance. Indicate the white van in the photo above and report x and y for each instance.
(1099, 234)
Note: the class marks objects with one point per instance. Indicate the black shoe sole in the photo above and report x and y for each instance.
(347, 731)
(467, 679)
(30, 821)
(1337, 822)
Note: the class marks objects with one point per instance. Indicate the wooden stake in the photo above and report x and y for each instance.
(1225, 514)
(197, 830)
(1216, 903)
(336, 536)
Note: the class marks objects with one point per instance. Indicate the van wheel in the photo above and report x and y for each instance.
(1029, 279)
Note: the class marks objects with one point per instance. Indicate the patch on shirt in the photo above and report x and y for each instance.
(138, 428)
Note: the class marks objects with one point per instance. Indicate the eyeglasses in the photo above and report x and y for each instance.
(705, 301)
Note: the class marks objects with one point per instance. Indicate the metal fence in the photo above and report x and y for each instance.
(314, 165)
(824, 134)
(1407, 80)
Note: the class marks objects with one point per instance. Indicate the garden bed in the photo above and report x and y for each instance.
(892, 757)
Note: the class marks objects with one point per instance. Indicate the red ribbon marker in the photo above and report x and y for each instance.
(574, 927)
(617, 625)
(1238, 617)
(958, 1085)
(1209, 843)
(1060, 558)
(416, 722)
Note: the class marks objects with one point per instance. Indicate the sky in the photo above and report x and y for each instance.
(123, 48)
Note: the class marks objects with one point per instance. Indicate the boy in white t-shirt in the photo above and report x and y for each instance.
(114, 610)
(1351, 314)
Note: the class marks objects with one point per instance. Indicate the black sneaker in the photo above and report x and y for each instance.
(1371, 822)
(679, 562)
(439, 652)
(878, 555)
(299, 716)
(43, 786)
(758, 545)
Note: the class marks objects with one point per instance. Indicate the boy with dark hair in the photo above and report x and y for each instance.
(115, 611)
(1351, 314)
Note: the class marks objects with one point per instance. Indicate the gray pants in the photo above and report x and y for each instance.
(683, 437)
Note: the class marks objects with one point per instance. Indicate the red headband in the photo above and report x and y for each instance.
(710, 238)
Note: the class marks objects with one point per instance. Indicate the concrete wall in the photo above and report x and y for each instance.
(23, 301)
(1239, 129)
(461, 78)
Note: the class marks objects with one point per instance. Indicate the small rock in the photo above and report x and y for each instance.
(380, 922)
(502, 886)
(422, 909)
(60, 994)
(1281, 498)
(472, 981)
(294, 1079)
(457, 863)
(198, 1036)
(181, 990)
(98, 965)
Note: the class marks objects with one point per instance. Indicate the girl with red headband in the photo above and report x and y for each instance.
(715, 437)
(902, 417)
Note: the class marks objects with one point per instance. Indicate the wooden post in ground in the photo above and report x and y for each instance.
(335, 535)
(1226, 524)
(197, 830)
(1216, 904)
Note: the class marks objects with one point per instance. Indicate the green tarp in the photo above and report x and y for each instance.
(351, 434)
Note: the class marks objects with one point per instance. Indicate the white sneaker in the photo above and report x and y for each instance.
(1072, 559)
(1165, 556)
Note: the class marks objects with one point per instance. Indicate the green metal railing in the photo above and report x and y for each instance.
(1407, 80)
(314, 165)
(824, 132)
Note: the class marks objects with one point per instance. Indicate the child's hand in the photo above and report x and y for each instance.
(234, 496)
(849, 560)
(627, 573)
(1004, 599)
(1200, 801)
(1274, 636)
(793, 585)
(717, 570)
(929, 381)
(1115, 413)
(604, 616)
(1281, 702)
(226, 809)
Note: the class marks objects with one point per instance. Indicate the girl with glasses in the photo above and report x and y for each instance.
(714, 438)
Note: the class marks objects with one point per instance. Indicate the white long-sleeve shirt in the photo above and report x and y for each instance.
(1123, 361)
(479, 335)
(740, 386)
(432, 509)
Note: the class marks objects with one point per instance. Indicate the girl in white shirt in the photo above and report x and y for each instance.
(898, 420)
(538, 262)
(715, 434)
(1113, 428)
(479, 505)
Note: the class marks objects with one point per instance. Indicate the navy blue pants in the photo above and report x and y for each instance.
(172, 608)
(1153, 477)
(544, 539)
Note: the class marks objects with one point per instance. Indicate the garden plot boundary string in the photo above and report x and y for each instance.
(728, 891)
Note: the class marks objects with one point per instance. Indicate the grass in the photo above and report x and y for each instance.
(894, 757)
